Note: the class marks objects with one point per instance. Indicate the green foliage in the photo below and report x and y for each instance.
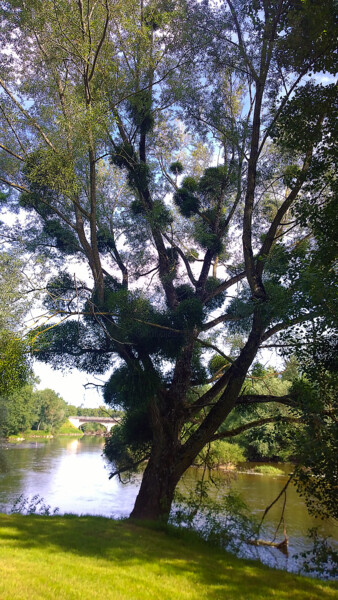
(137, 207)
(32, 506)
(18, 410)
(60, 290)
(218, 364)
(300, 122)
(130, 442)
(206, 237)
(213, 183)
(36, 433)
(47, 171)
(139, 108)
(187, 203)
(184, 292)
(150, 93)
(51, 410)
(217, 301)
(316, 473)
(310, 30)
(68, 428)
(269, 441)
(321, 559)
(15, 364)
(139, 177)
(220, 454)
(130, 389)
(124, 156)
(189, 313)
(28, 409)
(51, 344)
(268, 470)
(176, 168)
(160, 216)
(221, 519)
(190, 184)
(65, 239)
(93, 428)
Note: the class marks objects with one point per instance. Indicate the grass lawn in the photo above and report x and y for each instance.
(93, 558)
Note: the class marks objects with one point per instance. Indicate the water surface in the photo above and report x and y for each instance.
(72, 475)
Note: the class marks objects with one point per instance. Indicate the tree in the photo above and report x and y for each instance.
(50, 410)
(15, 365)
(115, 117)
(18, 410)
(274, 438)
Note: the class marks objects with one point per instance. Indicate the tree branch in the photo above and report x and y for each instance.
(247, 399)
(27, 115)
(257, 423)
(11, 152)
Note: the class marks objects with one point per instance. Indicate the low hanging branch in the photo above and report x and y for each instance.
(283, 545)
(246, 399)
(257, 423)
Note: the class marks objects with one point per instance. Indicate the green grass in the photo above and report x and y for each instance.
(68, 429)
(37, 433)
(93, 558)
(30, 433)
(268, 470)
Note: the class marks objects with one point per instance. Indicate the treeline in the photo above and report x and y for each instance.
(274, 438)
(39, 410)
(30, 409)
(102, 411)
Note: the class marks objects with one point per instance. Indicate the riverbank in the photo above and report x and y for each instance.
(89, 558)
(47, 435)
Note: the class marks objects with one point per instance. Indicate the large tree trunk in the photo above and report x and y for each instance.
(156, 493)
(169, 459)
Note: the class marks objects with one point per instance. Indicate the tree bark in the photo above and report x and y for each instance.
(156, 493)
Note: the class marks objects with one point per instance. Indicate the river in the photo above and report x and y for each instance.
(72, 475)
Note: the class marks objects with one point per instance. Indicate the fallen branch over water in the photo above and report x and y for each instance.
(282, 546)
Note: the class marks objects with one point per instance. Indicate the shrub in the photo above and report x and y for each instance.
(220, 453)
(268, 470)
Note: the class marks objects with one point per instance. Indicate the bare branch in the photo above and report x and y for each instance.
(247, 399)
(257, 423)
(30, 119)
(11, 152)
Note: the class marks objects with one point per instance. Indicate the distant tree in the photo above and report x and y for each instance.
(18, 411)
(93, 428)
(274, 434)
(15, 364)
(71, 410)
(51, 410)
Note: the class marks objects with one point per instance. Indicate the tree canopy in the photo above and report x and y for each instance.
(184, 152)
(15, 364)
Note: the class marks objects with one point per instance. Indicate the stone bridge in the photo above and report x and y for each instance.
(108, 422)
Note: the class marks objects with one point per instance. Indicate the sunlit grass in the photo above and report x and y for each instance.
(93, 558)
(268, 470)
(68, 428)
(30, 433)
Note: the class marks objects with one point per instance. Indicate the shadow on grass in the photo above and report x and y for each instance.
(176, 553)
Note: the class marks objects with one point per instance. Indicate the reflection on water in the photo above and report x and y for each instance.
(72, 474)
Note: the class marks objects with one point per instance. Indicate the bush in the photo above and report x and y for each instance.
(68, 428)
(268, 470)
(220, 453)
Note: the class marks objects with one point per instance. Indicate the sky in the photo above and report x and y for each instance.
(70, 386)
